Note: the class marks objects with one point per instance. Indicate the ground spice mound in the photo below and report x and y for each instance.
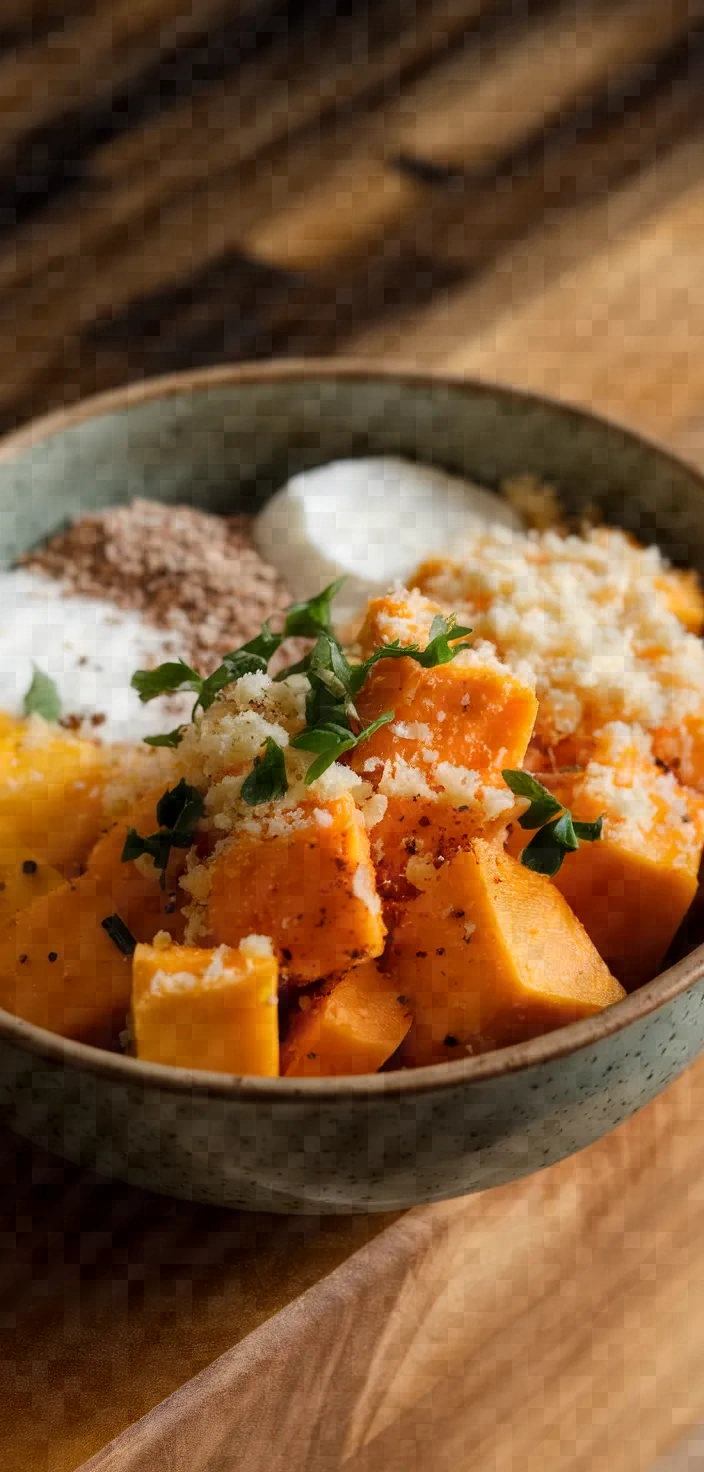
(184, 569)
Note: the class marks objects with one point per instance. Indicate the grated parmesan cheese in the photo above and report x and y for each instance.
(374, 809)
(412, 731)
(256, 946)
(587, 616)
(364, 889)
(401, 779)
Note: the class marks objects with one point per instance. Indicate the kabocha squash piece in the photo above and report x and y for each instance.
(213, 1009)
(631, 889)
(307, 880)
(489, 954)
(51, 793)
(60, 970)
(135, 887)
(23, 882)
(438, 764)
(353, 1026)
(468, 715)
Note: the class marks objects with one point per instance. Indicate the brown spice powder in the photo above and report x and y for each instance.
(197, 574)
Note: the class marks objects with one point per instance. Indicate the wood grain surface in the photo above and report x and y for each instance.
(509, 188)
(554, 1324)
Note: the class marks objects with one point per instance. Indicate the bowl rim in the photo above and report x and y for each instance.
(435, 1078)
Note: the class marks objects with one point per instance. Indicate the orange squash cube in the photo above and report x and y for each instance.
(353, 1026)
(439, 762)
(633, 887)
(58, 967)
(489, 954)
(136, 886)
(60, 970)
(23, 882)
(309, 884)
(207, 1009)
(51, 793)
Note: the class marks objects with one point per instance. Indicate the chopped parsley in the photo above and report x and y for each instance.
(333, 725)
(307, 620)
(331, 741)
(170, 738)
(119, 934)
(166, 679)
(267, 779)
(42, 698)
(177, 814)
(558, 832)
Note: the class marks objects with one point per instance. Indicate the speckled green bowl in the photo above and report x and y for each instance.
(224, 440)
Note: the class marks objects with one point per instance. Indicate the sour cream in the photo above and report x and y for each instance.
(90, 649)
(371, 520)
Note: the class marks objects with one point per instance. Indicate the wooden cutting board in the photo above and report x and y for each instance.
(506, 189)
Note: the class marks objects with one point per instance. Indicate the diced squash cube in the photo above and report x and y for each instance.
(51, 793)
(489, 954)
(401, 616)
(469, 715)
(23, 882)
(633, 887)
(59, 968)
(213, 1009)
(353, 1026)
(439, 762)
(309, 884)
(139, 897)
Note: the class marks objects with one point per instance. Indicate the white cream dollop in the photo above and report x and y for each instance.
(372, 520)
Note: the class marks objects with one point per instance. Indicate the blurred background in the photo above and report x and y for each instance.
(510, 188)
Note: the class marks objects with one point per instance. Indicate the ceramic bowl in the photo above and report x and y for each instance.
(225, 440)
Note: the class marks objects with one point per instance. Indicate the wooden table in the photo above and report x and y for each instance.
(509, 190)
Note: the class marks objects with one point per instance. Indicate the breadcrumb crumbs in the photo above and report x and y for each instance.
(186, 570)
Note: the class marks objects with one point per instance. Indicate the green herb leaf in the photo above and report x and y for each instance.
(170, 738)
(166, 679)
(180, 808)
(556, 836)
(543, 805)
(331, 741)
(553, 842)
(307, 620)
(265, 644)
(524, 784)
(544, 853)
(588, 832)
(177, 814)
(119, 934)
(42, 698)
(267, 779)
(156, 847)
(563, 831)
(441, 647)
(233, 667)
(396, 650)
